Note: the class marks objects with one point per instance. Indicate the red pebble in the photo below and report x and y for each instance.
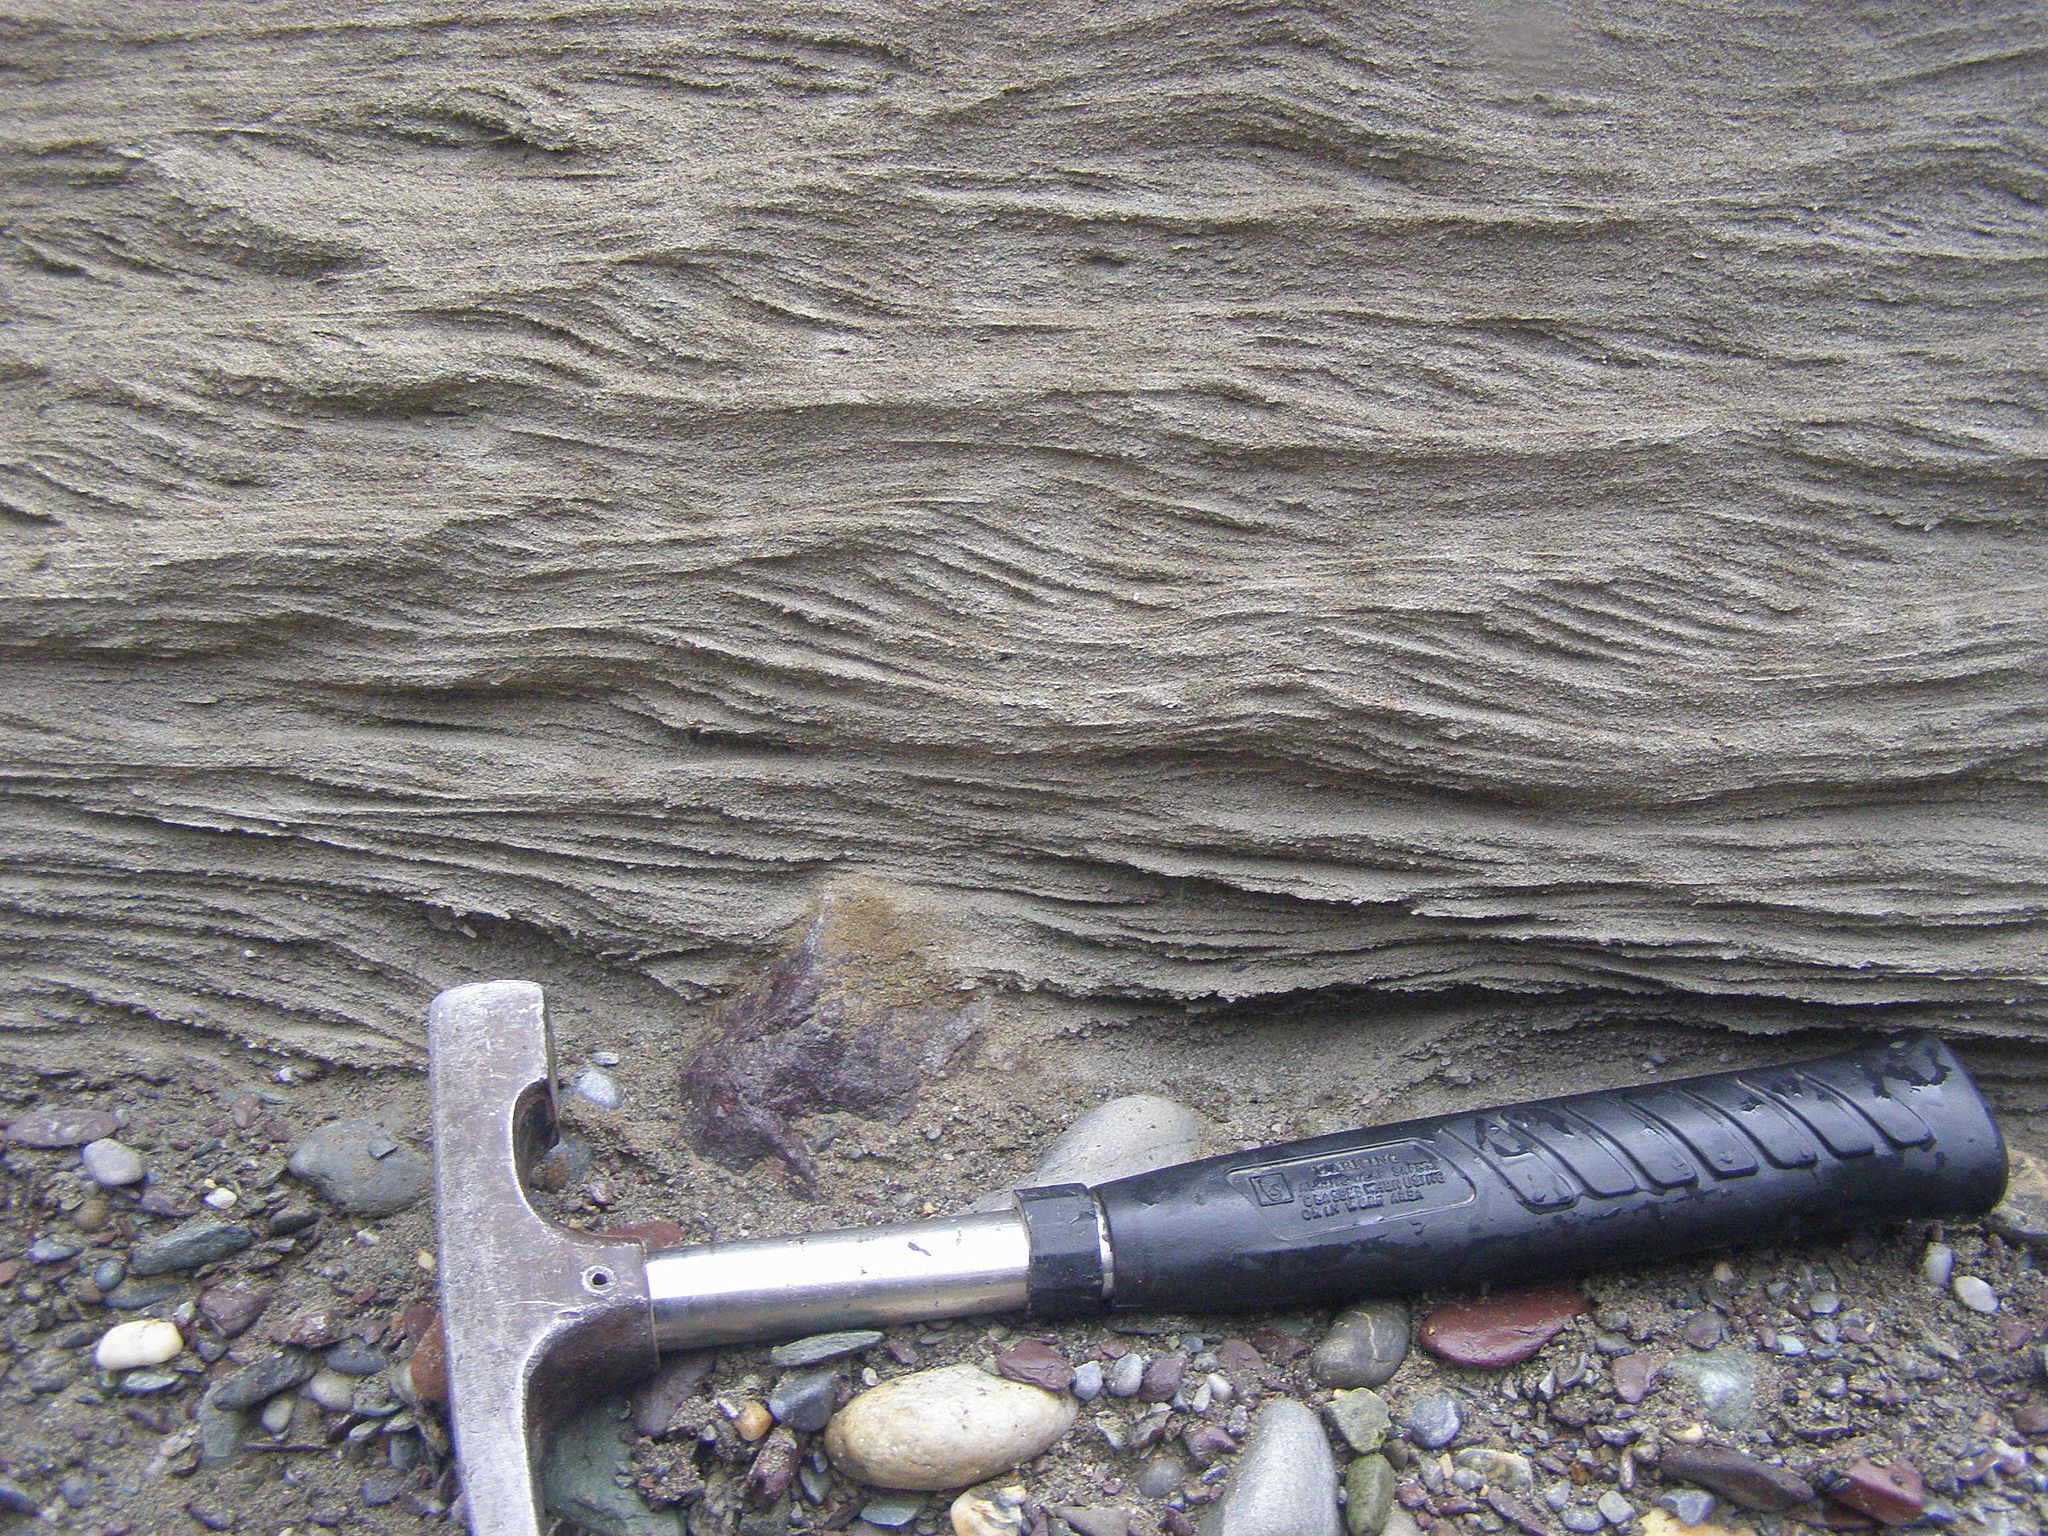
(1036, 1365)
(2031, 1419)
(1893, 1493)
(430, 1365)
(1500, 1330)
(1632, 1376)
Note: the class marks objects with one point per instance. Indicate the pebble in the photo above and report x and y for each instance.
(220, 1432)
(277, 1414)
(1160, 1475)
(1938, 1263)
(1133, 1134)
(804, 1400)
(1037, 1365)
(202, 1240)
(332, 1391)
(1895, 1494)
(261, 1380)
(1690, 1506)
(1581, 1520)
(110, 1164)
(944, 1428)
(1508, 1470)
(1162, 1378)
(1703, 1330)
(51, 1250)
(356, 1164)
(1368, 1495)
(1499, 1331)
(1434, 1420)
(109, 1273)
(141, 1295)
(596, 1086)
(150, 1381)
(61, 1127)
(820, 1347)
(1633, 1375)
(1088, 1383)
(1976, 1294)
(1207, 1443)
(1000, 1513)
(1285, 1480)
(144, 1341)
(1724, 1381)
(1361, 1417)
(891, 1511)
(1615, 1509)
(1364, 1347)
(354, 1357)
(1097, 1521)
(1126, 1375)
(1736, 1476)
(753, 1420)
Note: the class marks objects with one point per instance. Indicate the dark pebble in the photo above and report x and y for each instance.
(381, 1488)
(196, 1242)
(1207, 1444)
(352, 1357)
(262, 1380)
(1500, 1330)
(774, 1467)
(158, 1201)
(2031, 1419)
(805, 1399)
(136, 1295)
(1036, 1365)
(214, 1517)
(15, 1498)
(1735, 1475)
(290, 1220)
(64, 1127)
(108, 1273)
(1162, 1378)
(1703, 1330)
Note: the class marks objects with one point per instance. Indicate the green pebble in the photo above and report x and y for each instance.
(1368, 1495)
(1361, 1416)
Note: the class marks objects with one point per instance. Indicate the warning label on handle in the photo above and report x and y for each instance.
(1316, 1194)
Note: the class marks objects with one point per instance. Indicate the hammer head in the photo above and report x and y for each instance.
(538, 1316)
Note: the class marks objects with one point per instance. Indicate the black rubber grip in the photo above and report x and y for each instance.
(1890, 1133)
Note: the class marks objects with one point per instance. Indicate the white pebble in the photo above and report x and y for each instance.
(110, 1163)
(600, 1088)
(332, 1390)
(146, 1341)
(277, 1413)
(219, 1199)
(1938, 1263)
(1976, 1294)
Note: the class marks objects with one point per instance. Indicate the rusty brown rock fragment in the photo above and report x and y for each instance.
(1891, 1492)
(1036, 1365)
(1500, 1330)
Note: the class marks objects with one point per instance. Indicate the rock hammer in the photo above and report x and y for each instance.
(539, 1317)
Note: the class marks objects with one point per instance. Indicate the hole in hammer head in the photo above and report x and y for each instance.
(597, 1280)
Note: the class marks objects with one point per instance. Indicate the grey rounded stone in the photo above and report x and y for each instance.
(1125, 1375)
(1434, 1420)
(1976, 1294)
(1724, 1381)
(1088, 1380)
(359, 1166)
(1691, 1506)
(1581, 1521)
(353, 1357)
(108, 1162)
(109, 1273)
(1133, 1134)
(1160, 1475)
(1364, 1347)
(1615, 1509)
(598, 1087)
(261, 1380)
(332, 1391)
(1285, 1480)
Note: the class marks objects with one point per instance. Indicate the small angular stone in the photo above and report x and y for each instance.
(1500, 1330)
(1893, 1493)
(1974, 1293)
(1126, 1375)
(61, 1126)
(1001, 1513)
(774, 1469)
(358, 1166)
(233, 1308)
(1088, 1383)
(1614, 1509)
(804, 1400)
(2022, 1216)
(654, 1401)
(1632, 1376)
(262, 1379)
(1735, 1475)
(1207, 1444)
(1037, 1365)
(820, 1347)
(1361, 1417)
(203, 1240)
